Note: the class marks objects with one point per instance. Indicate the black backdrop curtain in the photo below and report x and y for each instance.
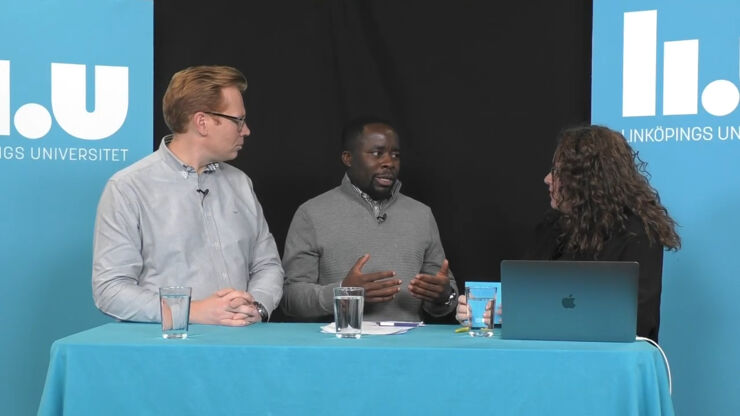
(477, 89)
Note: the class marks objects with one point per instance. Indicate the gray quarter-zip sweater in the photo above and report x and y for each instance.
(330, 232)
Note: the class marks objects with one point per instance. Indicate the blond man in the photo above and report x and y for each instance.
(183, 217)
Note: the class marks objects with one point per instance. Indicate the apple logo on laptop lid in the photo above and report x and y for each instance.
(569, 302)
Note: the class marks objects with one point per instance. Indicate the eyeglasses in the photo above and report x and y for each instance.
(239, 121)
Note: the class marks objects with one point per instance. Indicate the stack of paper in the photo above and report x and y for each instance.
(379, 328)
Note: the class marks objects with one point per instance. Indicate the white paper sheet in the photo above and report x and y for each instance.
(373, 328)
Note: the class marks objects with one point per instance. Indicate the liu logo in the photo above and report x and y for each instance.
(68, 103)
(680, 73)
(569, 302)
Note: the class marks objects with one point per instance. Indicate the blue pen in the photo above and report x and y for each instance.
(392, 323)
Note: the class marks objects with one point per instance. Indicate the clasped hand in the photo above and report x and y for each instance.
(228, 307)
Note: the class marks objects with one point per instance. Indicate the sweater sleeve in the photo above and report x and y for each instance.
(303, 296)
(433, 257)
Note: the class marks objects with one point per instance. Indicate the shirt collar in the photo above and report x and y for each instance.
(368, 198)
(179, 166)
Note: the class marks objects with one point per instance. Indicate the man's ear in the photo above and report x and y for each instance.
(347, 158)
(199, 121)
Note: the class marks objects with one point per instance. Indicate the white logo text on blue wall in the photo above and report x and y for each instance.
(69, 107)
(681, 92)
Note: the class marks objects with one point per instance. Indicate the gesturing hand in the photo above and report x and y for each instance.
(378, 285)
(432, 288)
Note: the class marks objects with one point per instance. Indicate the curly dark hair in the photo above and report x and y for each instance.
(601, 182)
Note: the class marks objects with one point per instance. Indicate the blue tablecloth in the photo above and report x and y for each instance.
(281, 368)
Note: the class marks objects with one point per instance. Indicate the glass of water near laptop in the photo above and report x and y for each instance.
(349, 303)
(479, 295)
(174, 306)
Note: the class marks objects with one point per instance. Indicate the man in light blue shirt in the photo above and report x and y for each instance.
(182, 217)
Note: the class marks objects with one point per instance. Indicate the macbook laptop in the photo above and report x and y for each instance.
(569, 300)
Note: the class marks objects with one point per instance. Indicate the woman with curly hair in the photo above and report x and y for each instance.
(603, 208)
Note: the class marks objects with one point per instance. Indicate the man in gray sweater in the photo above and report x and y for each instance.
(366, 233)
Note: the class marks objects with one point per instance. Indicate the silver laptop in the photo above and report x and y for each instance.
(569, 300)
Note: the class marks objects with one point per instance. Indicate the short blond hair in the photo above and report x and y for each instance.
(198, 88)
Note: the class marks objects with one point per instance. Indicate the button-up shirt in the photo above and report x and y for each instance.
(377, 206)
(160, 223)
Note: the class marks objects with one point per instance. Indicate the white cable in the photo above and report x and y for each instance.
(665, 360)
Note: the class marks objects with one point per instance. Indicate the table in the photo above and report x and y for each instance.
(293, 368)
